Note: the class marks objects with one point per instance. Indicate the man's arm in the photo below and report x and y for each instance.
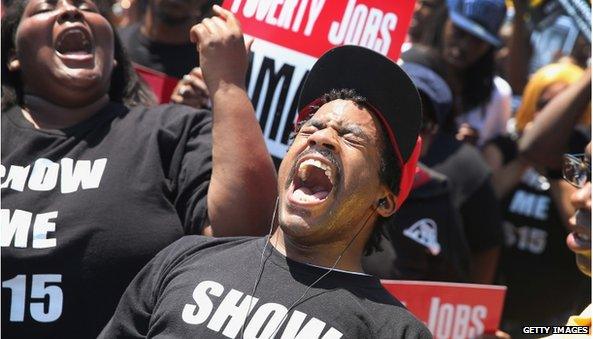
(519, 50)
(483, 227)
(543, 144)
(243, 184)
(505, 176)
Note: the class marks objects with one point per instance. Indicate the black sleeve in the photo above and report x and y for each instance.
(407, 327)
(186, 135)
(418, 331)
(577, 142)
(482, 220)
(132, 315)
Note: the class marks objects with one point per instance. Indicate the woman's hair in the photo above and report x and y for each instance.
(478, 80)
(431, 32)
(125, 85)
(551, 74)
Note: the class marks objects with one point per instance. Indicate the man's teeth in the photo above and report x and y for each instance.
(304, 174)
(304, 194)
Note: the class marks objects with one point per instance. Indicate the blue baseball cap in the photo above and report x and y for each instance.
(433, 86)
(480, 18)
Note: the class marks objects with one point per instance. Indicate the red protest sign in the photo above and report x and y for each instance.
(161, 84)
(313, 27)
(451, 310)
(291, 34)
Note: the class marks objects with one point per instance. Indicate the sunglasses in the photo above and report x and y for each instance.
(576, 169)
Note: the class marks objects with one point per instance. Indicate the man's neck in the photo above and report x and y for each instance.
(44, 114)
(158, 31)
(324, 255)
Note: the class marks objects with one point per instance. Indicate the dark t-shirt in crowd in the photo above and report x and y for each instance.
(425, 239)
(86, 207)
(173, 60)
(472, 192)
(203, 288)
(535, 262)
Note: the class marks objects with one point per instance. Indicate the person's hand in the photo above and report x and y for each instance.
(222, 50)
(468, 134)
(192, 90)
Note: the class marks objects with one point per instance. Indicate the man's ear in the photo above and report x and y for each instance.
(13, 62)
(386, 204)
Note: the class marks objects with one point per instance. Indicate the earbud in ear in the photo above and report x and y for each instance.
(382, 202)
(14, 65)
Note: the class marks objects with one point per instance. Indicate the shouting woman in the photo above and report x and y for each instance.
(94, 182)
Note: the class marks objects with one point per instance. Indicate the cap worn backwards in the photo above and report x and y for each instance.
(390, 93)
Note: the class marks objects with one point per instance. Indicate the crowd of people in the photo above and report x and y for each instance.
(123, 217)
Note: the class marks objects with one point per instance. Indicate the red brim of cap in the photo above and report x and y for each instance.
(408, 173)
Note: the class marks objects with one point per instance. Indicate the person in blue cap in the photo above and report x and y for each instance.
(470, 40)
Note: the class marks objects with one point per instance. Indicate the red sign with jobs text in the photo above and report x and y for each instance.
(451, 310)
(314, 26)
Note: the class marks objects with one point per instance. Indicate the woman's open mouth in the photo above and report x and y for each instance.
(74, 44)
(312, 183)
(578, 242)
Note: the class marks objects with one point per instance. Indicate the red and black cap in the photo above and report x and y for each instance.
(390, 94)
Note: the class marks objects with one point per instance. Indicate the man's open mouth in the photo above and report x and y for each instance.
(74, 43)
(313, 181)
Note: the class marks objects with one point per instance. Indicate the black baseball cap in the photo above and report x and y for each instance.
(390, 93)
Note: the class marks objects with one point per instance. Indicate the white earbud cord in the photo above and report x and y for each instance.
(261, 266)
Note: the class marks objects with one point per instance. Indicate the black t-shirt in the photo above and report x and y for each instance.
(536, 264)
(201, 288)
(173, 60)
(472, 192)
(85, 208)
(425, 236)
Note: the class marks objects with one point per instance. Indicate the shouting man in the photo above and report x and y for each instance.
(349, 168)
